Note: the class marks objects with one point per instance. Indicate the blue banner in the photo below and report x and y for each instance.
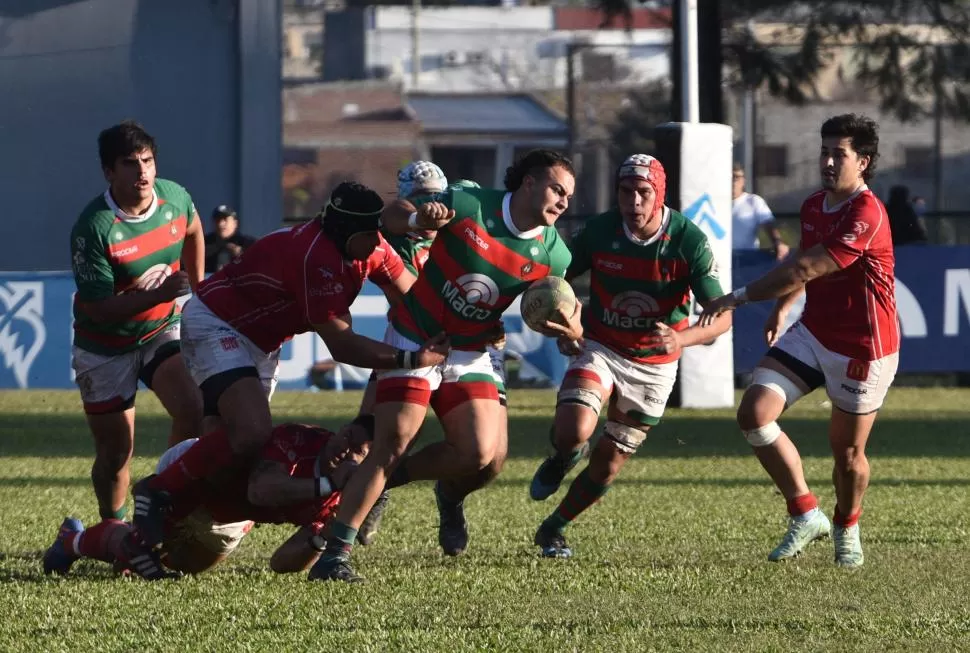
(932, 295)
(36, 337)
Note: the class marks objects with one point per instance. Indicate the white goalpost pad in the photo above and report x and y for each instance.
(698, 158)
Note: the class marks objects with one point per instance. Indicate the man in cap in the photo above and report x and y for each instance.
(289, 282)
(226, 241)
(644, 260)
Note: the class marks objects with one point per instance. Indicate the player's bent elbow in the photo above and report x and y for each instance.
(258, 492)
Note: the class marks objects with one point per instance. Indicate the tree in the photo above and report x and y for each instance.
(910, 54)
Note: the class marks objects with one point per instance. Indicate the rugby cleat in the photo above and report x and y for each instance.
(138, 558)
(801, 533)
(334, 569)
(452, 526)
(552, 471)
(368, 529)
(848, 546)
(60, 555)
(149, 516)
(552, 543)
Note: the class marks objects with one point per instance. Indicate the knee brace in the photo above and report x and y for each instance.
(626, 438)
(583, 397)
(777, 383)
(763, 435)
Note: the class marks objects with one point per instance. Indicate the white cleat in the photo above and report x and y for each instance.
(801, 533)
(848, 547)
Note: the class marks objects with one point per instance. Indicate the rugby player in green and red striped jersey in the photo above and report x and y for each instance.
(490, 246)
(134, 249)
(644, 261)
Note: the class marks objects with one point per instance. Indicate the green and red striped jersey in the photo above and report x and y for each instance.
(413, 250)
(114, 253)
(635, 284)
(479, 263)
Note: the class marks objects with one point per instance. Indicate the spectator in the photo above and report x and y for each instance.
(748, 212)
(904, 222)
(919, 205)
(226, 242)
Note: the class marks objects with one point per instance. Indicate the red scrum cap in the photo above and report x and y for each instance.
(646, 167)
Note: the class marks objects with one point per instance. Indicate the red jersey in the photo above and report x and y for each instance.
(291, 279)
(853, 311)
(294, 445)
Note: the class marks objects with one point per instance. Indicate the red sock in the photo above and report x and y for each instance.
(845, 522)
(98, 542)
(802, 504)
(209, 455)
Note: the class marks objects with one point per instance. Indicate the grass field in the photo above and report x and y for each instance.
(672, 559)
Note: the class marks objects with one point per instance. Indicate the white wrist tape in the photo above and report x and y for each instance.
(741, 294)
(413, 220)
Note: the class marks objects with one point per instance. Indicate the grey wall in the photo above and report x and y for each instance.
(69, 68)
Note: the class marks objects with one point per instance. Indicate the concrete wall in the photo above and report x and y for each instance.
(202, 77)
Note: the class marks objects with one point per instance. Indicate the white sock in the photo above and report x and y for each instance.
(808, 515)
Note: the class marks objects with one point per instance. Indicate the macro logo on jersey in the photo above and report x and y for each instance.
(154, 276)
(22, 331)
(631, 310)
(470, 294)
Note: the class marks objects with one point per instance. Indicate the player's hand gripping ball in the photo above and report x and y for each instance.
(547, 300)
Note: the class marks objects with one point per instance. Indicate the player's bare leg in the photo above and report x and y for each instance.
(244, 408)
(114, 441)
(848, 434)
(577, 413)
(608, 457)
(396, 423)
(758, 411)
(181, 397)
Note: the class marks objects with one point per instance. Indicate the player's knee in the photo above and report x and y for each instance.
(111, 461)
(606, 461)
(850, 460)
(762, 436)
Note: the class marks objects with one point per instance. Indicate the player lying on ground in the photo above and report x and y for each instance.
(644, 260)
(134, 249)
(419, 179)
(296, 480)
(491, 245)
(847, 338)
(289, 282)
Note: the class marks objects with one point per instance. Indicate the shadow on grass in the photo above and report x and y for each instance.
(59, 436)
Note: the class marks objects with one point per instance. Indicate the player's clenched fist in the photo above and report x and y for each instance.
(175, 286)
(434, 215)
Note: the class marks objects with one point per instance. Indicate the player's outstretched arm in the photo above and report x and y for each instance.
(401, 216)
(296, 554)
(193, 252)
(270, 485)
(787, 278)
(360, 351)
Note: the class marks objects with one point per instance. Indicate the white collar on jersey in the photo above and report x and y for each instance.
(832, 209)
(507, 219)
(664, 223)
(131, 218)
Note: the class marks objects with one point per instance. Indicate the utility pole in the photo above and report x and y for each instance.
(571, 49)
(415, 49)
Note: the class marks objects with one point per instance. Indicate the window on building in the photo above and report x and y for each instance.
(918, 161)
(771, 161)
(475, 163)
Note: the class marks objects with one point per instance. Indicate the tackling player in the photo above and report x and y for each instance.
(491, 245)
(296, 480)
(134, 249)
(644, 260)
(289, 282)
(847, 338)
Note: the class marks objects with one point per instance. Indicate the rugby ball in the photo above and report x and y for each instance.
(542, 300)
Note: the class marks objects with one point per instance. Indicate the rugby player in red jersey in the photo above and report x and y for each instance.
(292, 281)
(491, 245)
(295, 479)
(847, 339)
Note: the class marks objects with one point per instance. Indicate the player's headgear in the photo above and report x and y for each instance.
(420, 176)
(352, 209)
(646, 167)
(464, 183)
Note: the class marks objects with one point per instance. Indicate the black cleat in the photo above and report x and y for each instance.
(334, 569)
(552, 543)
(368, 529)
(551, 473)
(151, 505)
(143, 561)
(452, 526)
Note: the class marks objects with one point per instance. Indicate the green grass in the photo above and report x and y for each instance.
(672, 559)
